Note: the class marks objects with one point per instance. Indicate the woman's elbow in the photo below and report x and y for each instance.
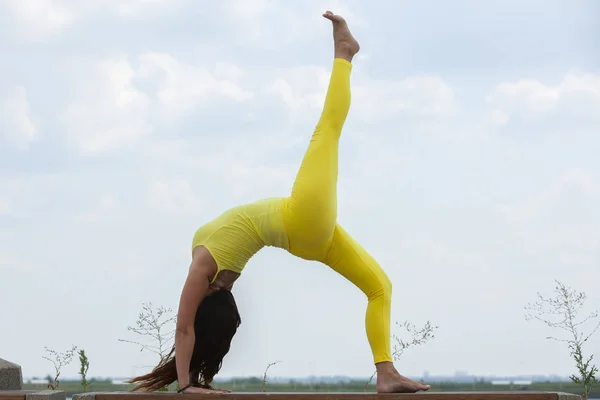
(184, 329)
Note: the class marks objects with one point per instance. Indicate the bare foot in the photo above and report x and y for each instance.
(393, 382)
(346, 46)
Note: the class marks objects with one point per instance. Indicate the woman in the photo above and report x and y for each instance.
(304, 224)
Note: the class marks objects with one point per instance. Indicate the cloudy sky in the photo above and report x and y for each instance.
(469, 168)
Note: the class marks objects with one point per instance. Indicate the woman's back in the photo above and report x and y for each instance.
(236, 235)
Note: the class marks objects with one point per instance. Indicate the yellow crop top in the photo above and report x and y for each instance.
(240, 232)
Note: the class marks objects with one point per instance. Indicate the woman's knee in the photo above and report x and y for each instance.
(382, 289)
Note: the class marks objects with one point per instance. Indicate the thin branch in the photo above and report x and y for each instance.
(151, 325)
(565, 307)
(59, 360)
(264, 382)
(418, 337)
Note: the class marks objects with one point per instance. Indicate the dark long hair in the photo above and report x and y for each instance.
(216, 322)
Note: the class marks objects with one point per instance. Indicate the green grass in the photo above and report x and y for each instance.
(255, 385)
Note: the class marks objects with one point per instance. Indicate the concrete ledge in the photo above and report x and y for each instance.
(14, 394)
(11, 385)
(32, 395)
(46, 395)
(11, 377)
(513, 395)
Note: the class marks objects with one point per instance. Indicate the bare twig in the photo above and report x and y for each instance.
(264, 382)
(59, 360)
(419, 336)
(369, 381)
(151, 325)
(561, 312)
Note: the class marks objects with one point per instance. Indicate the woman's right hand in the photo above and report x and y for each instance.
(193, 389)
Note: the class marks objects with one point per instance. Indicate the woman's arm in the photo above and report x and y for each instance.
(192, 294)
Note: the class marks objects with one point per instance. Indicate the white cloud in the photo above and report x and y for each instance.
(557, 224)
(543, 203)
(8, 261)
(5, 207)
(248, 15)
(173, 196)
(243, 169)
(372, 100)
(140, 8)
(41, 20)
(21, 193)
(250, 180)
(273, 23)
(260, 20)
(16, 124)
(421, 96)
(498, 117)
(104, 205)
(292, 87)
(182, 87)
(529, 97)
(529, 94)
(109, 109)
(227, 71)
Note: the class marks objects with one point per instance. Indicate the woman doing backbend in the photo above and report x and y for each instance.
(304, 224)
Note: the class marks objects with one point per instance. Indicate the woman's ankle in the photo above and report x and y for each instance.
(385, 368)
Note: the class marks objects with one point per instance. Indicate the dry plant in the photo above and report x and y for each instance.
(152, 326)
(418, 337)
(59, 360)
(562, 312)
(264, 381)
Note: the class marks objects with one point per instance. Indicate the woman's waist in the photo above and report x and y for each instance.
(268, 222)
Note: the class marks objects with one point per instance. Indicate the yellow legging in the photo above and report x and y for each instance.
(310, 215)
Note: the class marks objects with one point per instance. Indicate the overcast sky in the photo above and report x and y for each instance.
(469, 168)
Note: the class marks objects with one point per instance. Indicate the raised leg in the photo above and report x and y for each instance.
(310, 212)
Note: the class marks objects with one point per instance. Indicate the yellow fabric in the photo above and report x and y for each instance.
(236, 235)
(305, 223)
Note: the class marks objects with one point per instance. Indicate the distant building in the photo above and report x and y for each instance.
(38, 381)
(509, 382)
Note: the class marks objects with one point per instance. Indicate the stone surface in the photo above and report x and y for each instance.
(568, 396)
(512, 395)
(85, 396)
(46, 395)
(11, 377)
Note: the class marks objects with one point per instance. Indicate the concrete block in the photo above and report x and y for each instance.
(85, 396)
(47, 395)
(568, 396)
(11, 377)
